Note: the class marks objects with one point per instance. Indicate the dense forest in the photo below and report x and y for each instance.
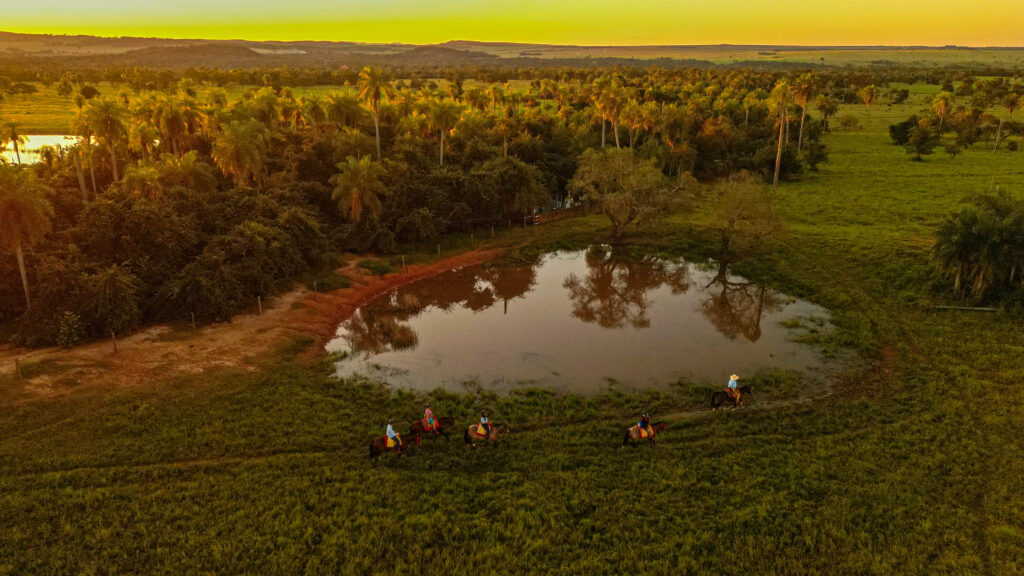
(178, 200)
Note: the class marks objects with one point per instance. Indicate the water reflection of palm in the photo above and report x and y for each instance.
(614, 291)
(383, 325)
(735, 308)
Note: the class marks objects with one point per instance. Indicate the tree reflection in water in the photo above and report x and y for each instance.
(613, 294)
(384, 324)
(735, 308)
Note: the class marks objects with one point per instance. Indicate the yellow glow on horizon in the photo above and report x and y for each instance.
(585, 22)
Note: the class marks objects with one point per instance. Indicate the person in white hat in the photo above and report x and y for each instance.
(733, 388)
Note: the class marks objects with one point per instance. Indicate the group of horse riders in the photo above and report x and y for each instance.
(430, 424)
(643, 426)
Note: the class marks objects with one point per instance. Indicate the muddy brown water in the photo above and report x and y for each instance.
(577, 321)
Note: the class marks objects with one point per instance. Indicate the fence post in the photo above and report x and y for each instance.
(193, 320)
(259, 302)
(314, 291)
(403, 262)
(113, 339)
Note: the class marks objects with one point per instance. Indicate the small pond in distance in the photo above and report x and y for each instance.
(577, 321)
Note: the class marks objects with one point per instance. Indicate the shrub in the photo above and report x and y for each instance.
(69, 330)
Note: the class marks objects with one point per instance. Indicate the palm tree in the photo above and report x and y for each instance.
(496, 95)
(828, 106)
(24, 215)
(444, 115)
(81, 127)
(313, 112)
(802, 94)
(942, 104)
(358, 187)
(1011, 102)
(373, 87)
(343, 110)
(780, 98)
(867, 95)
(240, 151)
(12, 134)
(104, 116)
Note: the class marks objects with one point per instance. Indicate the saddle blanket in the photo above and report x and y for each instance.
(481, 431)
(389, 442)
(642, 432)
(427, 427)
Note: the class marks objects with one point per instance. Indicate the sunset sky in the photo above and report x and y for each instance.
(592, 22)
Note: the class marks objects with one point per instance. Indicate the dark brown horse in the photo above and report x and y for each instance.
(441, 427)
(633, 434)
(379, 445)
(722, 397)
(472, 435)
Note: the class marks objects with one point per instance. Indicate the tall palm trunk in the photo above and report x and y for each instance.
(602, 132)
(21, 267)
(615, 129)
(81, 176)
(442, 147)
(778, 158)
(376, 131)
(92, 170)
(17, 151)
(113, 164)
(800, 138)
(999, 131)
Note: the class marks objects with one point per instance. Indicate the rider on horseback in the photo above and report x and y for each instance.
(645, 424)
(485, 423)
(733, 388)
(392, 435)
(429, 420)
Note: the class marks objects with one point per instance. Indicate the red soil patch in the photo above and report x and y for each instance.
(157, 353)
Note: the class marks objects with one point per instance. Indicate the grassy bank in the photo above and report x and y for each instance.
(914, 466)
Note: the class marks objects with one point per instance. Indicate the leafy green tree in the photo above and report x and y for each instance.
(25, 215)
(358, 187)
(626, 187)
(1011, 102)
(922, 140)
(744, 216)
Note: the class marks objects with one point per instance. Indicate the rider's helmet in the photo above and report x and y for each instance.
(483, 412)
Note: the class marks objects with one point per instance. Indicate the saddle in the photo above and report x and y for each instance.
(481, 431)
(641, 432)
(389, 442)
(427, 427)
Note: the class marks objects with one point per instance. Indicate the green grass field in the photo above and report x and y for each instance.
(914, 466)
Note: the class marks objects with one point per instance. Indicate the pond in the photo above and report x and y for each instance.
(30, 151)
(577, 321)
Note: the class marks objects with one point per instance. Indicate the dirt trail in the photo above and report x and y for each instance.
(161, 352)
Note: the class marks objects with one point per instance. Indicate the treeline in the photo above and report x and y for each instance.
(173, 203)
(964, 111)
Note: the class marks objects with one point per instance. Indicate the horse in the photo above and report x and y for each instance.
(471, 434)
(379, 445)
(441, 427)
(633, 434)
(721, 397)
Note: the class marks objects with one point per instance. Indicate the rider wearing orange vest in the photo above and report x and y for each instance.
(428, 418)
